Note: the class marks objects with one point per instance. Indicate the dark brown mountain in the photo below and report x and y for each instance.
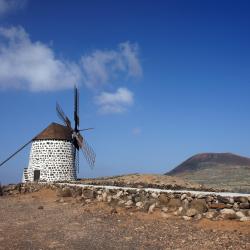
(221, 170)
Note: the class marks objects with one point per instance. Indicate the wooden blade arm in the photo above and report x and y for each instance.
(2, 163)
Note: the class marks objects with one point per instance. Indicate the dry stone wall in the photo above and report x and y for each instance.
(53, 158)
(187, 205)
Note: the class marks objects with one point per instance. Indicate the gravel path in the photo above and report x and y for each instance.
(38, 221)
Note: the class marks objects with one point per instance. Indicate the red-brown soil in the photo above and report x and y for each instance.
(72, 225)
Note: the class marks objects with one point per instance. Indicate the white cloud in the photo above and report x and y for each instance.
(32, 65)
(102, 67)
(116, 102)
(7, 6)
(129, 53)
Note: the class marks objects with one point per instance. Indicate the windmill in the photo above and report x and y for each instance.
(54, 154)
(78, 140)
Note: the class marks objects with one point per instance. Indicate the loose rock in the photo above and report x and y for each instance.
(129, 203)
(186, 217)
(185, 204)
(151, 208)
(199, 205)
(174, 204)
(240, 214)
(139, 204)
(197, 216)
(104, 196)
(183, 196)
(245, 219)
(244, 205)
(154, 195)
(210, 215)
(228, 213)
(191, 212)
(164, 209)
(163, 199)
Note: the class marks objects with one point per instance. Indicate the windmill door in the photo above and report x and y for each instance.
(36, 175)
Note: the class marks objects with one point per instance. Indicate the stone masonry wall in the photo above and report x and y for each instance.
(54, 159)
(186, 205)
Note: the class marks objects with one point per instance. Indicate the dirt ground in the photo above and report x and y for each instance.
(144, 179)
(39, 221)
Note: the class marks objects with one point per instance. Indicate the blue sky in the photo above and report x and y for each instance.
(159, 80)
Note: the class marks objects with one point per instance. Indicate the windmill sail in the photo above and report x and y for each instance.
(62, 116)
(12, 155)
(77, 139)
(88, 152)
(76, 108)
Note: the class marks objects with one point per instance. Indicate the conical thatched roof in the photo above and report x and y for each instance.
(55, 131)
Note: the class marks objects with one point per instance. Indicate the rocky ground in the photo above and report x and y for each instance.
(149, 180)
(41, 220)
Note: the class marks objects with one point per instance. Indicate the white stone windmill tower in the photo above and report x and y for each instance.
(54, 151)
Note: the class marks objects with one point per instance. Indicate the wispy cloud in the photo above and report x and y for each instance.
(7, 6)
(104, 66)
(32, 65)
(116, 102)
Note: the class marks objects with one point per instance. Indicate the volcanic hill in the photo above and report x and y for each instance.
(220, 170)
